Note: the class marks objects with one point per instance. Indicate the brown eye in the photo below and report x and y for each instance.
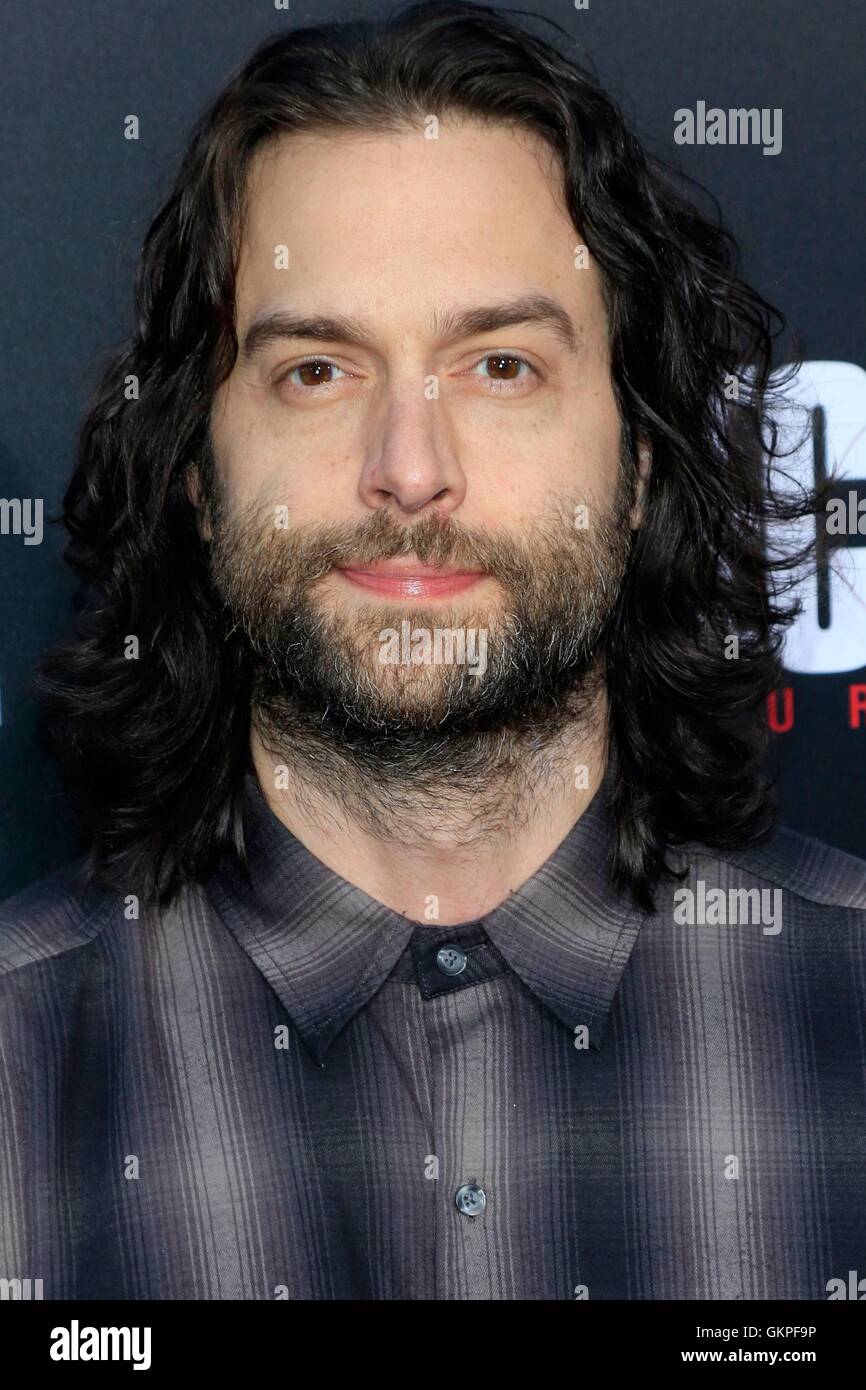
(314, 373)
(503, 367)
(304, 378)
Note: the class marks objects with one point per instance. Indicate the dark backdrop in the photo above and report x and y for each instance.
(77, 198)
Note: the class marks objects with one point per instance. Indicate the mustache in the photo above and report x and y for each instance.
(307, 554)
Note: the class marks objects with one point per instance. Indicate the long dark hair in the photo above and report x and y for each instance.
(155, 750)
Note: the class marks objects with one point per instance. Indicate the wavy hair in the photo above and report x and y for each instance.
(155, 750)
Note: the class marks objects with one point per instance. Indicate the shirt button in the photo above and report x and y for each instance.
(470, 1199)
(451, 960)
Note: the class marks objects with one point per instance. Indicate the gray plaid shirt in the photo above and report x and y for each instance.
(291, 1091)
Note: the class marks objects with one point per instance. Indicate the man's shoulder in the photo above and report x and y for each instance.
(799, 865)
(50, 917)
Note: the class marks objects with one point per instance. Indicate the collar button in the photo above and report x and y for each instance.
(451, 960)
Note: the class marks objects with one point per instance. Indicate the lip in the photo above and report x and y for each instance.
(400, 578)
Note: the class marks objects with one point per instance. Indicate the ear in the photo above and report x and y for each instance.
(644, 467)
(192, 483)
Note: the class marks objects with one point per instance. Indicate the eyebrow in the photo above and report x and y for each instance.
(448, 325)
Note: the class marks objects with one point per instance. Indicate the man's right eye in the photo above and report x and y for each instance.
(316, 371)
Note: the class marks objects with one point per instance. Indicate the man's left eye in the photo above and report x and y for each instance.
(505, 367)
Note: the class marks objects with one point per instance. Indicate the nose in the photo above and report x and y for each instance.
(412, 462)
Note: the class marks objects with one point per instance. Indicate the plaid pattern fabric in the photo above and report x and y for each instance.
(273, 1090)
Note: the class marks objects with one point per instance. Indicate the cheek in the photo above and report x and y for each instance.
(527, 466)
(592, 444)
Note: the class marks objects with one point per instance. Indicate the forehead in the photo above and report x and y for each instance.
(368, 221)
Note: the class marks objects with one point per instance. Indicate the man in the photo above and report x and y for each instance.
(435, 941)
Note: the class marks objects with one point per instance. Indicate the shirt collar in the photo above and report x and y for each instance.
(325, 946)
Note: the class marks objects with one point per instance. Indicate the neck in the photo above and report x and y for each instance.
(446, 842)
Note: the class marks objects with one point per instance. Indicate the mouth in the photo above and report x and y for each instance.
(404, 577)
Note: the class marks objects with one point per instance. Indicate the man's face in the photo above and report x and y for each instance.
(417, 468)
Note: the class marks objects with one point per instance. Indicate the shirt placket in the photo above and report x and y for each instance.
(460, 978)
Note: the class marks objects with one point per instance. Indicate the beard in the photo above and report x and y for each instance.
(381, 726)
